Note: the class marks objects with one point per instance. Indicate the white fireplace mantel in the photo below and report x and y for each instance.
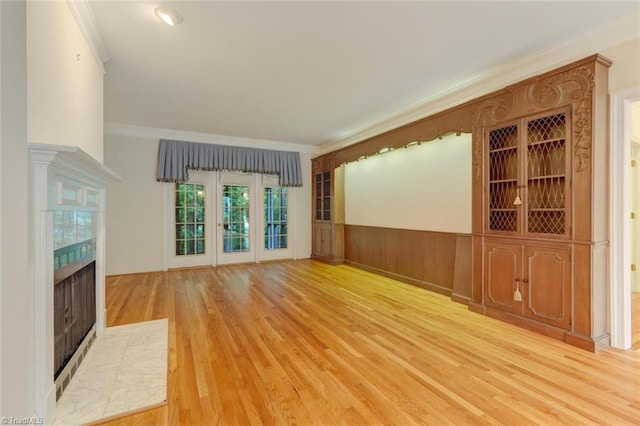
(62, 178)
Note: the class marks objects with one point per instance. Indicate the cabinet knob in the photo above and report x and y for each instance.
(525, 280)
(517, 280)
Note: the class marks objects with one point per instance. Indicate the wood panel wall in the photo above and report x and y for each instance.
(438, 261)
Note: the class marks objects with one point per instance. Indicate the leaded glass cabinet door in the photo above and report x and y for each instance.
(503, 195)
(547, 175)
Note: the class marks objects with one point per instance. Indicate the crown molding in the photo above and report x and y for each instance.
(86, 21)
(609, 35)
(144, 132)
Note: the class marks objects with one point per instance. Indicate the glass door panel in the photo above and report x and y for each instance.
(235, 233)
(503, 194)
(275, 218)
(235, 218)
(546, 175)
(189, 240)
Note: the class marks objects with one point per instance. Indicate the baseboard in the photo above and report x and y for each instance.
(476, 307)
(422, 284)
(458, 298)
(585, 342)
(538, 327)
(328, 260)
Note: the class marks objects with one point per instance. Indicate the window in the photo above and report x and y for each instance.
(235, 218)
(190, 219)
(275, 218)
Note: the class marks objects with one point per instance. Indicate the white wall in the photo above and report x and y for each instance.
(16, 292)
(64, 81)
(425, 187)
(135, 206)
(625, 71)
(46, 96)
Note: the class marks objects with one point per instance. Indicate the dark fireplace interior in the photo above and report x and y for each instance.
(74, 299)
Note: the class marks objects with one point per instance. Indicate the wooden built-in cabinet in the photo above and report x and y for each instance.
(328, 210)
(529, 280)
(540, 175)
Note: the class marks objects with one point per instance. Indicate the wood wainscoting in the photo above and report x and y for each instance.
(437, 261)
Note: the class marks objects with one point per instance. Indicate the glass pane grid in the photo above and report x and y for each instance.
(546, 129)
(275, 218)
(190, 219)
(503, 165)
(546, 159)
(546, 222)
(503, 220)
(547, 194)
(505, 137)
(502, 195)
(235, 212)
(546, 185)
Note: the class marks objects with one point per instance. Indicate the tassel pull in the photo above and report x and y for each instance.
(517, 201)
(517, 296)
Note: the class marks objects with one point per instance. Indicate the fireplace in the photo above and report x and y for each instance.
(68, 193)
(74, 314)
(74, 294)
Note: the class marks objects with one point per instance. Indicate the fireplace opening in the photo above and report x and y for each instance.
(74, 308)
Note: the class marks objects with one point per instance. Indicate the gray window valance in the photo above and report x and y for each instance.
(176, 157)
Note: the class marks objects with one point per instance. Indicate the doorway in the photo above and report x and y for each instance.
(625, 129)
(221, 218)
(634, 127)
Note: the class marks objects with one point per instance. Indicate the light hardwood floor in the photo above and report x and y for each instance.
(301, 342)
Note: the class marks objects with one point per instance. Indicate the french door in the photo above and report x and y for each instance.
(187, 223)
(235, 234)
(223, 218)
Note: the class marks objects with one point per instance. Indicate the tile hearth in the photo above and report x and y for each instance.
(124, 372)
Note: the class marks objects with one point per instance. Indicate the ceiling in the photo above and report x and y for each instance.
(315, 72)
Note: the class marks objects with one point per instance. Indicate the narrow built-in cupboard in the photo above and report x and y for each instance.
(540, 240)
(328, 210)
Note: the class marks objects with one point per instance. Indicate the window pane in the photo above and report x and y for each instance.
(275, 224)
(190, 219)
(235, 218)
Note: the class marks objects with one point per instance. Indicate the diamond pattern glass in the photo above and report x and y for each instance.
(503, 179)
(546, 182)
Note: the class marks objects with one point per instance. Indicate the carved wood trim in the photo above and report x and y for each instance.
(582, 137)
(477, 141)
(316, 165)
(570, 87)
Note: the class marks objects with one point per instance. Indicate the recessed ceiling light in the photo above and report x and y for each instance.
(168, 16)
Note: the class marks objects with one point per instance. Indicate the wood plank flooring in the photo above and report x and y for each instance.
(301, 342)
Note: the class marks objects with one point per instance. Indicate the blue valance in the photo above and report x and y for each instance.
(176, 157)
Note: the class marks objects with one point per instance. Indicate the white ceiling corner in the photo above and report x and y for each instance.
(83, 15)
